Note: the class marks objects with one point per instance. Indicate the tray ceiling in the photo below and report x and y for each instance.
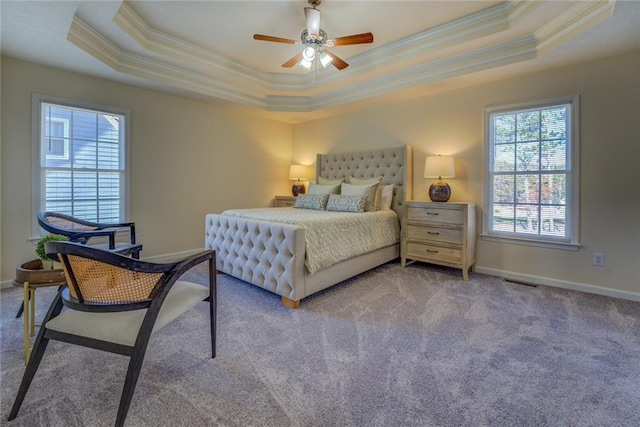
(205, 50)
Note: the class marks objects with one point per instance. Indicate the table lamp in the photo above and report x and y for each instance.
(439, 167)
(297, 172)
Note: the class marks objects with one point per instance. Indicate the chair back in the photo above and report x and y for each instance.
(97, 277)
(64, 225)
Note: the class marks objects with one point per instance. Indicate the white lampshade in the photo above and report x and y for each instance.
(439, 167)
(297, 172)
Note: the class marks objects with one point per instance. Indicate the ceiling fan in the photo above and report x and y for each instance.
(316, 41)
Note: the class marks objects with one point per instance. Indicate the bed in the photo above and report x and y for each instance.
(271, 254)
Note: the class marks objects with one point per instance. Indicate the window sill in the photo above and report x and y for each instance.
(567, 246)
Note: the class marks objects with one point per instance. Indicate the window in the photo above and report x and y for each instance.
(531, 182)
(80, 161)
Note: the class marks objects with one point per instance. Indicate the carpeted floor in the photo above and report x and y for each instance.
(392, 347)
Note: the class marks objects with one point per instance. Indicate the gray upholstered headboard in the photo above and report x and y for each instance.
(395, 165)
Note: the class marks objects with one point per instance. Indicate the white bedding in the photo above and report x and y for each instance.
(332, 237)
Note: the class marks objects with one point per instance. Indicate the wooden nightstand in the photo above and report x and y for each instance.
(284, 201)
(441, 233)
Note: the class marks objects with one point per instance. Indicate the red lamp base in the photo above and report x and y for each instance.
(298, 188)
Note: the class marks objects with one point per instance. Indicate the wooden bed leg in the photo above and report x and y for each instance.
(290, 303)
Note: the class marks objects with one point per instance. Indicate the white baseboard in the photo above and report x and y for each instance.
(157, 258)
(547, 281)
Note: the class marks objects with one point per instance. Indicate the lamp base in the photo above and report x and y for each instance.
(439, 191)
(298, 188)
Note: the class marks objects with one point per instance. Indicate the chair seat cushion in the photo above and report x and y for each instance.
(122, 327)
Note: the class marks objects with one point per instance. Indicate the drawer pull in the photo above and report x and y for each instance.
(433, 233)
(431, 252)
(433, 213)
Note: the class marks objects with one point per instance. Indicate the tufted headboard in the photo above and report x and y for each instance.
(395, 165)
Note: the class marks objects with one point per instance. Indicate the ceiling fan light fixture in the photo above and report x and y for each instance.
(309, 53)
(325, 60)
(306, 64)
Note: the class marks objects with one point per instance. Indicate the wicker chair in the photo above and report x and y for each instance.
(114, 303)
(78, 230)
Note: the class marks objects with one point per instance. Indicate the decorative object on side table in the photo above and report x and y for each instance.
(439, 167)
(48, 264)
(298, 173)
(32, 275)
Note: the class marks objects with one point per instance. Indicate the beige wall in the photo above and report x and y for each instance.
(187, 159)
(190, 158)
(452, 123)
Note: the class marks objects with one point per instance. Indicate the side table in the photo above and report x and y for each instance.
(29, 305)
(284, 201)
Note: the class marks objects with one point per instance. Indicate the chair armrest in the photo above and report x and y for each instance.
(86, 235)
(130, 225)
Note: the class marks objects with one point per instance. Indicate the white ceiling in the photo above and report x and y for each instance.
(205, 50)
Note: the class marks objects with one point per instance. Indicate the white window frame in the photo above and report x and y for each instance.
(573, 177)
(38, 196)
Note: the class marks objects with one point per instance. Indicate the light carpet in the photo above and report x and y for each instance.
(391, 347)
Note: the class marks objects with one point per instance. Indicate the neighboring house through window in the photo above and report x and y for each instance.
(532, 173)
(80, 161)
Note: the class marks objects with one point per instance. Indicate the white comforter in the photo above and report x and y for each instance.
(331, 237)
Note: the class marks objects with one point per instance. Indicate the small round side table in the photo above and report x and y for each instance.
(29, 305)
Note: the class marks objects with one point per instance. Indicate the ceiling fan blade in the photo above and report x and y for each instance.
(293, 61)
(336, 62)
(312, 15)
(354, 39)
(273, 39)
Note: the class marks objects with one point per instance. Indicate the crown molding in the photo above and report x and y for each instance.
(478, 60)
(575, 20)
(177, 61)
(94, 43)
(171, 46)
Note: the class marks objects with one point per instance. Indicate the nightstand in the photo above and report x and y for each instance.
(284, 201)
(442, 233)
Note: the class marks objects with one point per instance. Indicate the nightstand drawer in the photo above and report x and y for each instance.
(431, 214)
(435, 234)
(284, 201)
(431, 252)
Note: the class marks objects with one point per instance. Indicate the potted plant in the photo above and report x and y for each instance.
(48, 264)
(35, 271)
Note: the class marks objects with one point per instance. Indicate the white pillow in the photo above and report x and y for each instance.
(327, 181)
(363, 181)
(368, 190)
(323, 189)
(386, 196)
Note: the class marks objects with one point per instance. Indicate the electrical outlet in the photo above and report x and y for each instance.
(598, 259)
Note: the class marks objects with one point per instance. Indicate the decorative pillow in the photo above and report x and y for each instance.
(323, 189)
(386, 196)
(340, 203)
(326, 181)
(362, 181)
(368, 190)
(316, 202)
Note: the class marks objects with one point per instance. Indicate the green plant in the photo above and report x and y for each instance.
(48, 238)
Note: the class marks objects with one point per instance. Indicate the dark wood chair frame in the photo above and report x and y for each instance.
(99, 230)
(171, 272)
